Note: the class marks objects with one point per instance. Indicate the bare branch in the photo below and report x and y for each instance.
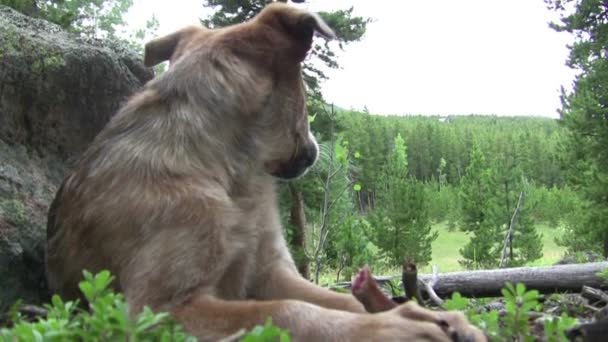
(428, 286)
(338, 197)
(511, 229)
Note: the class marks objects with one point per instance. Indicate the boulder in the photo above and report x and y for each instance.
(57, 90)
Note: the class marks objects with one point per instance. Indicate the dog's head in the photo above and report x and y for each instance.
(250, 76)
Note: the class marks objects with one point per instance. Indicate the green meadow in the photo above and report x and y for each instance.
(446, 253)
(447, 245)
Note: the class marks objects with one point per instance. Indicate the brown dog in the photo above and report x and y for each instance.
(176, 195)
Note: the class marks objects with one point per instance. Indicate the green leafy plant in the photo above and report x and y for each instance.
(555, 328)
(266, 333)
(457, 302)
(514, 324)
(396, 287)
(489, 322)
(518, 304)
(107, 319)
(603, 274)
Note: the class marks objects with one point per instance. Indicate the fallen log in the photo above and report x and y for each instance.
(488, 283)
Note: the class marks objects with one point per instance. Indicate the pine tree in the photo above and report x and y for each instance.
(585, 114)
(401, 225)
(489, 197)
(478, 212)
(525, 243)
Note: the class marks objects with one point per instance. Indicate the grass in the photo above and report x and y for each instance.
(551, 251)
(446, 252)
(446, 248)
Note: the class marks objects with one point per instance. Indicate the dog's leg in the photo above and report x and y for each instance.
(210, 319)
(282, 282)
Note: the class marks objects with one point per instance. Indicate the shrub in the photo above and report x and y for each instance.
(107, 319)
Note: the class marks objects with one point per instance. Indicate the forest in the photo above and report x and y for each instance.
(461, 192)
(391, 181)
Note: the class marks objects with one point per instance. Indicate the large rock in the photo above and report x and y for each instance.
(57, 91)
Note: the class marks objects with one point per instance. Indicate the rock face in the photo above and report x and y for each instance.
(57, 91)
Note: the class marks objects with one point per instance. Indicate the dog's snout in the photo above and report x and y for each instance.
(298, 165)
(305, 159)
(309, 156)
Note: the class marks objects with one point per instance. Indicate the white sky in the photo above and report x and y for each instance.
(432, 57)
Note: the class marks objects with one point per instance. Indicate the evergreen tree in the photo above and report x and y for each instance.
(353, 245)
(401, 225)
(478, 213)
(525, 243)
(490, 196)
(585, 114)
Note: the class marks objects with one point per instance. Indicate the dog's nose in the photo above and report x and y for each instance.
(309, 157)
(306, 158)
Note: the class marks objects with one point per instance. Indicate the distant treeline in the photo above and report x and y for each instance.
(438, 148)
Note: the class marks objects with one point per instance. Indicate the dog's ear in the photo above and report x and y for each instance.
(299, 24)
(167, 47)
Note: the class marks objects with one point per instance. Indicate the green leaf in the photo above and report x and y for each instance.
(457, 302)
(521, 289)
(603, 274)
(88, 276)
(56, 301)
(511, 308)
(340, 152)
(87, 289)
(357, 187)
(102, 280)
(531, 295)
(14, 313)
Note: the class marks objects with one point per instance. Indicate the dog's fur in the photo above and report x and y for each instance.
(176, 195)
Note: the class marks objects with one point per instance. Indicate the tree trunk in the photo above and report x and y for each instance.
(488, 283)
(298, 221)
(508, 204)
(606, 245)
(409, 279)
(511, 247)
(340, 267)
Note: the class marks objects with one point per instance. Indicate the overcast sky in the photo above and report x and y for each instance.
(432, 57)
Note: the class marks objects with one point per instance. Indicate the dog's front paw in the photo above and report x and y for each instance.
(454, 324)
(389, 326)
(458, 328)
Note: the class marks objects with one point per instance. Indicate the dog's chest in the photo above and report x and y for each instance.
(242, 244)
